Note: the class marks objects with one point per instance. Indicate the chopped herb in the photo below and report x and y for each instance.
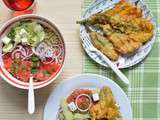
(34, 65)
(26, 21)
(22, 68)
(33, 71)
(46, 73)
(12, 33)
(35, 58)
(15, 66)
(12, 69)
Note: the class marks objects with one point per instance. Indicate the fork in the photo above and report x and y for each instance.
(88, 45)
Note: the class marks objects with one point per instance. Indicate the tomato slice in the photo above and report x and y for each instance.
(20, 74)
(24, 74)
(40, 76)
(27, 64)
(7, 62)
(51, 67)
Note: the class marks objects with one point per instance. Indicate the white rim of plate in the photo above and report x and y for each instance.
(82, 75)
(84, 35)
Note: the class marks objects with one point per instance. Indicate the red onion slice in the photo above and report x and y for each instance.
(45, 52)
(22, 52)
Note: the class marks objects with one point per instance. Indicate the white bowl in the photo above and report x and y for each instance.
(11, 79)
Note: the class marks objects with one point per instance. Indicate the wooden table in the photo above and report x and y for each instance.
(64, 13)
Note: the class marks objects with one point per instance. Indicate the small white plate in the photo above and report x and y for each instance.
(86, 81)
(123, 61)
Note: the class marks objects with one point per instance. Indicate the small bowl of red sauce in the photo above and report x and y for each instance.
(31, 45)
(83, 102)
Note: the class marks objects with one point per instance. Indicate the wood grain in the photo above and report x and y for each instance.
(13, 101)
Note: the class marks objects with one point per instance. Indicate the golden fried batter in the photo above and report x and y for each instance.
(141, 31)
(125, 9)
(106, 107)
(123, 44)
(141, 37)
(124, 27)
(143, 24)
(101, 43)
(107, 29)
(118, 8)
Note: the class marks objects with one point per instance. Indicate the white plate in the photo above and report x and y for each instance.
(86, 81)
(124, 61)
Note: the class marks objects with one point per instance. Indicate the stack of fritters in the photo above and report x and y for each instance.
(106, 108)
(124, 29)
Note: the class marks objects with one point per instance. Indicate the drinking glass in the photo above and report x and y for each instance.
(20, 7)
